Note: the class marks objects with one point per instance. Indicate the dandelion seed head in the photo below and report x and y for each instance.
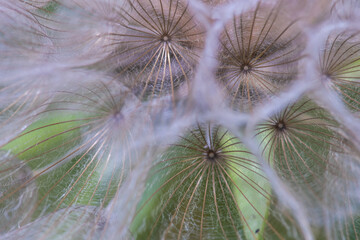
(99, 140)
(251, 48)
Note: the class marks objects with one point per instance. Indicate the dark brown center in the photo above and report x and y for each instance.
(211, 155)
(281, 126)
(165, 38)
(245, 68)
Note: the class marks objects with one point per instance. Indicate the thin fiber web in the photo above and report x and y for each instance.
(179, 119)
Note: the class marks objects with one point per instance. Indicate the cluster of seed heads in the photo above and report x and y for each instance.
(179, 119)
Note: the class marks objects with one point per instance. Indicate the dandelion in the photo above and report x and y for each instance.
(79, 151)
(83, 156)
(151, 46)
(299, 139)
(340, 66)
(258, 56)
(209, 187)
(302, 143)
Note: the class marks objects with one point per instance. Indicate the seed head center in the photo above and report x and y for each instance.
(245, 68)
(165, 38)
(211, 155)
(117, 116)
(280, 125)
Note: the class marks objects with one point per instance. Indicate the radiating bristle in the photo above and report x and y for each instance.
(179, 119)
(259, 55)
(209, 186)
(340, 66)
(303, 144)
(80, 150)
